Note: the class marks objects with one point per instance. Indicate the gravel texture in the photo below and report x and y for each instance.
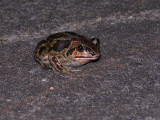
(124, 84)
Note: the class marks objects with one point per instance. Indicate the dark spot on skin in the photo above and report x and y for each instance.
(42, 49)
(60, 45)
(51, 48)
(41, 42)
(69, 52)
(54, 36)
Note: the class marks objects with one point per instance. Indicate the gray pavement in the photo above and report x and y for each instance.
(124, 84)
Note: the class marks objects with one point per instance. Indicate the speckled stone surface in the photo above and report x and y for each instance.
(124, 84)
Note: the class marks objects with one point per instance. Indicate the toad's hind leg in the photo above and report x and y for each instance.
(57, 65)
(43, 65)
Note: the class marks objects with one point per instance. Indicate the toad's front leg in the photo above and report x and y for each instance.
(57, 65)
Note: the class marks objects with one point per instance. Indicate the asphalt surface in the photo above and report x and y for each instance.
(124, 84)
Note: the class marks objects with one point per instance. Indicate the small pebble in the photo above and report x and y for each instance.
(51, 88)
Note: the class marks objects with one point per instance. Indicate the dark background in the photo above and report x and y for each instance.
(123, 85)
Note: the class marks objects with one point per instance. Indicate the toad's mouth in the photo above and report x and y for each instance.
(87, 57)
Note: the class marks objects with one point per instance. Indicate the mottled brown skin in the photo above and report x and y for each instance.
(62, 51)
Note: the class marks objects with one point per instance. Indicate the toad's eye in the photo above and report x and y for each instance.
(80, 48)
